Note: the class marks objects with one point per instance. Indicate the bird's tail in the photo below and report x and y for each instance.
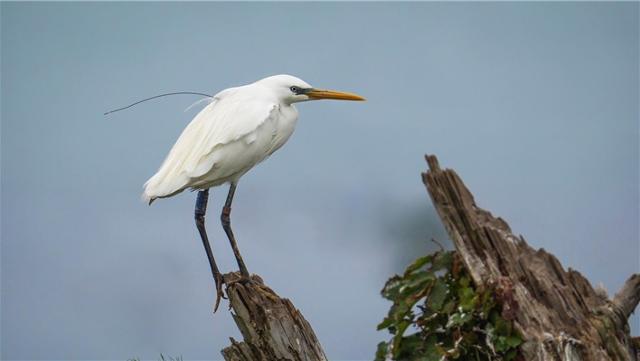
(150, 189)
(147, 198)
(158, 187)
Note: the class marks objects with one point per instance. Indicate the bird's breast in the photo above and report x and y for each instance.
(270, 135)
(284, 123)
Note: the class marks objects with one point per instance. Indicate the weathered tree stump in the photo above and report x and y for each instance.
(557, 312)
(272, 328)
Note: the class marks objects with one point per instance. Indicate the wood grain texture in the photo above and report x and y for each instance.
(558, 312)
(272, 328)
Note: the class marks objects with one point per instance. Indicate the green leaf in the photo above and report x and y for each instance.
(411, 345)
(438, 295)
(464, 281)
(449, 307)
(501, 344)
(458, 319)
(502, 326)
(417, 348)
(505, 343)
(401, 310)
(513, 341)
(416, 283)
(391, 289)
(419, 263)
(385, 323)
(402, 326)
(468, 298)
(381, 352)
(442, 260)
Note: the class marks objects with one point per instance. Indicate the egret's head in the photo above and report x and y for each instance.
(290, 89)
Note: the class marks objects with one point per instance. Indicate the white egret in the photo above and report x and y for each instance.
(241, 127)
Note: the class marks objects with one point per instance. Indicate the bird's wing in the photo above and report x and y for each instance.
(228, 118)
(221, 123)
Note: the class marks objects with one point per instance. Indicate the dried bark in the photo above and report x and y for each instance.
(627, 298)
(558, 313)
(272, 328)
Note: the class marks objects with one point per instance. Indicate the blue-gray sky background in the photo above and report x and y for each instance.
(534, 104)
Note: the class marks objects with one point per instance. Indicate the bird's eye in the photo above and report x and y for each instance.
(294, 89)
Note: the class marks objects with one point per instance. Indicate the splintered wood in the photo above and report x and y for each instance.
(272, 328)
(557, 312)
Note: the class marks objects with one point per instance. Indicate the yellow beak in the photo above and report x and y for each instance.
(332, 94)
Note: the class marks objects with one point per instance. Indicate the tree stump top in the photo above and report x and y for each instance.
(557, 311)
(272, 328)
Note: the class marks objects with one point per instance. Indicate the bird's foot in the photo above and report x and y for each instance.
(234, 278)
(219, 294)
(243, 280)
(236, 281)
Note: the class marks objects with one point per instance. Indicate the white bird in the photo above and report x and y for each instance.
(240, 128)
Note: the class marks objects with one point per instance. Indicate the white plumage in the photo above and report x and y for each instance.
(241, 127)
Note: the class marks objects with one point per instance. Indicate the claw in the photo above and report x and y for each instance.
(242, 279)
(238, 277)
(219, 293)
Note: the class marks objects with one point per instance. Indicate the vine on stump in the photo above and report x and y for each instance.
(438, 314)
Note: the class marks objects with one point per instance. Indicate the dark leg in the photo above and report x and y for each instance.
(225, 217)
(201, 210)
